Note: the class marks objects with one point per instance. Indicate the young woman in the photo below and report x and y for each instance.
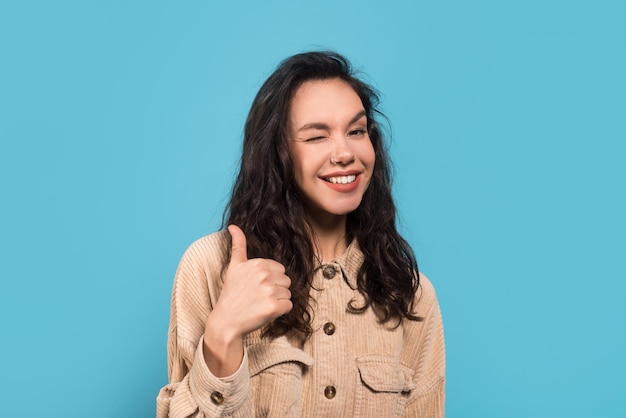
(311, 304)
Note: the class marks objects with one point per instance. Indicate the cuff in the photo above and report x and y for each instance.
(218, 395)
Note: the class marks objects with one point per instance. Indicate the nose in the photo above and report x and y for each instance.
(342, 152)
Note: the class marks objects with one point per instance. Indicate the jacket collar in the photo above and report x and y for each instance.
(349, 263)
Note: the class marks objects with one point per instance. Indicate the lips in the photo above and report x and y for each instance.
(341, 179)
(345, 183)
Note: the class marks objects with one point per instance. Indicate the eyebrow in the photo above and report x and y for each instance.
(323, 126)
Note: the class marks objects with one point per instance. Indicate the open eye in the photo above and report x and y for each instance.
(357, 132)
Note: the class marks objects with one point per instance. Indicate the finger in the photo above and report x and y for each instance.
(284, 306)
(282, 293)
(274, 265)
(239, 253)
(282, 281)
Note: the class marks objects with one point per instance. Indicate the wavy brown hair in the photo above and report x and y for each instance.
(267, 204)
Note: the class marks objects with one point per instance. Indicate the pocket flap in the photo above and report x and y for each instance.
(385, 374)
(266, 354)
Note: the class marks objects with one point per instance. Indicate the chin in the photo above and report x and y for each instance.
(343, 210)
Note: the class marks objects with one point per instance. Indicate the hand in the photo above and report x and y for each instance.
(254, 293)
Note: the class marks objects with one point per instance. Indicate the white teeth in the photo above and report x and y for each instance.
(342, 179)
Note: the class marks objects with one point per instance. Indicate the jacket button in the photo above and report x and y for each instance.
(329, 328)
(330, 392)
(217, 398)
(329, 272)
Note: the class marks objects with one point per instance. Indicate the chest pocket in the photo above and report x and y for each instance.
(383, 387)
(276, 377)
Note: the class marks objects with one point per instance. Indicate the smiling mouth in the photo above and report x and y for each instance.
(341, 179)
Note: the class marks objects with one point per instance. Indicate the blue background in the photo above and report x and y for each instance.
(120, 127)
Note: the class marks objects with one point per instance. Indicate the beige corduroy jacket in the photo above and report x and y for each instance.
(352, 366)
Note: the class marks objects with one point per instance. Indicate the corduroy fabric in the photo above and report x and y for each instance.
(376, 370)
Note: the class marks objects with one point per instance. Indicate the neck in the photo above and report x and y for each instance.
(329, 236)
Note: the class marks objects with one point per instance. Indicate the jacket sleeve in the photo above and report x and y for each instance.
(428, 399)
(193, 391)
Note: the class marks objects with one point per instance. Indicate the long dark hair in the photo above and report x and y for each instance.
(266, 202)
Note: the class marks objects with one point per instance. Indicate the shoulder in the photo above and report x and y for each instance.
(424, 348)
(425, 297)
(197, 285)
(205, 256)
(211, 247)
(200, 267)
(426, 308)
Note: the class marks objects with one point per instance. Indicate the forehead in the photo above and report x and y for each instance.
(327, 99)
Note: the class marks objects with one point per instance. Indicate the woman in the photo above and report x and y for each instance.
(310, 304)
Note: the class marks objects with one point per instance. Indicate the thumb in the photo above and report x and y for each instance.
(239, 253)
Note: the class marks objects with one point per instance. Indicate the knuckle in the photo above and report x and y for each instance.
(273, 307)
(289, 306)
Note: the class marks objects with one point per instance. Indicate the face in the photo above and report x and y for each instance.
(332, 153)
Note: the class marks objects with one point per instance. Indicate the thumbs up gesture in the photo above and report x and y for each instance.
(255, 292)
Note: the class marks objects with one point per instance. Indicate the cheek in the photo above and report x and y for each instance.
(370, 162)
(369, 156)
(298, 167)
